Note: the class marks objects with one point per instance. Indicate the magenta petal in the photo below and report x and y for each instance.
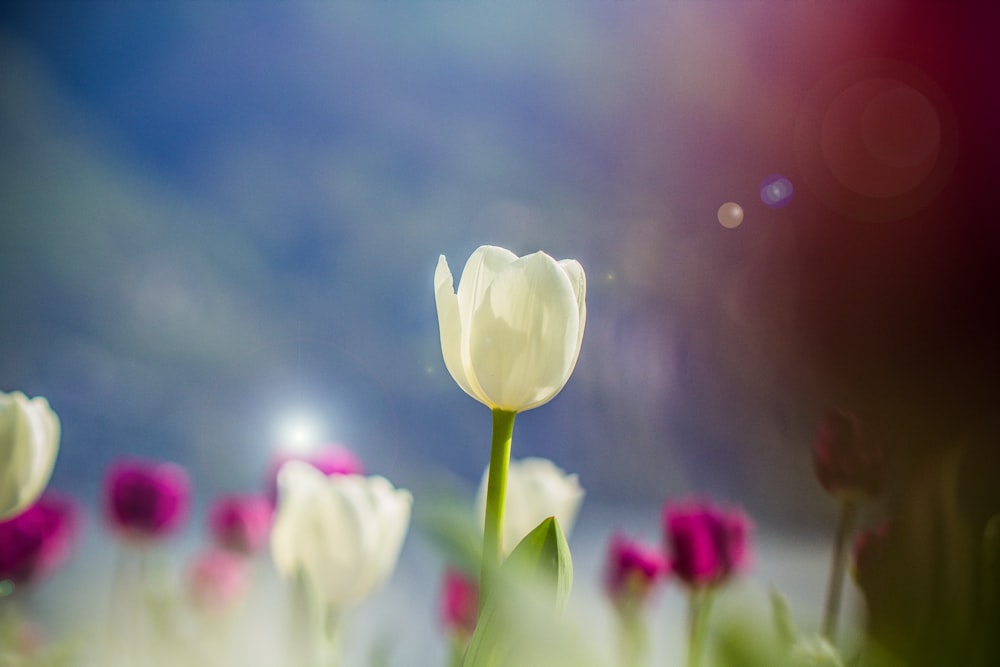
(632, 569)
(707, 544)
(146, 499)
(38, 540)
(240, 523)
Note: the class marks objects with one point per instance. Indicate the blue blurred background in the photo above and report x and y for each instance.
(221, 221)
(220, 217)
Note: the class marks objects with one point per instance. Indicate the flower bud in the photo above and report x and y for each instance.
(342, 533)
(536, 489)
(512, 332)
(847, 464)
(240, 523)
(29, 441)
(38, 540)
(459, 603)
(631, 571)
(707, 544)
(146, 499)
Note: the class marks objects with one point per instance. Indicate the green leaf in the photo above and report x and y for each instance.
(532, 588)
(543, 556)
(783, 626)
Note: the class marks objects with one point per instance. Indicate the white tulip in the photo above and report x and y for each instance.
(29, 442)
(511, 335)
(341, 533)
(536, 489)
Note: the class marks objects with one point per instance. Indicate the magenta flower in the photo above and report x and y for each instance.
(459, 603)
(240, 523)
(217, 579)
(847, 463)
(146, 499)
(330, 460)
(38, 540)
(631, 571)
(707, 544)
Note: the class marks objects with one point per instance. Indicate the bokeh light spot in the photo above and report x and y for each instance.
(730, 215)
(299, 432)
(776, 191)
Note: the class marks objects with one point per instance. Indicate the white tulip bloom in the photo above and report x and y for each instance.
(29, 442)
(511, 335)
(342, 533)
(536, 489)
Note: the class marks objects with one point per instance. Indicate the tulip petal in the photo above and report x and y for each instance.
(578, 279)
(536, 489)
(342, 533)
(29, 443)
(482, 268)
(522, 337)
(484, 265)
(450, 324)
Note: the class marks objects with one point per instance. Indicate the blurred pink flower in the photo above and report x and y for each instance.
(632, 569)
(146, 499)
(240, 523)
(707, 544)
(38, 540)
(330, 459)
(847, 463)
(217, 579)
(459, 603)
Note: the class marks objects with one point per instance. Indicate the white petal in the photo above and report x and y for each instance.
(29, 443)
(578, 279)
(388, 511)
(536, 490)
(523, 336)
(485, 263)
(450, 325)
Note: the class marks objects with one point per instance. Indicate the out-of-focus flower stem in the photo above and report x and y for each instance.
(314, 638)
(633, 639)
(496, 492)
(838, 566)
(699, 605)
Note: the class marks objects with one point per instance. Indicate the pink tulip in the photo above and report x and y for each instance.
(38, 540)
(847, 464)
(240, 523)
(459, 603)
(330, 460)
(632, 570)
(707, 544)
(146, 499)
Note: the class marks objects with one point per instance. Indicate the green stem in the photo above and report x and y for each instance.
(633, 638)
(838, 566)
(699, 604)
(496, 493)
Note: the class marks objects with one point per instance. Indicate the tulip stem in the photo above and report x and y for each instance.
(838, 566)
(496, 493)
(699, 604)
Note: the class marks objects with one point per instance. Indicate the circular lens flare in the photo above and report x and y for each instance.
(776, 191)
(730, 215)
(299, 433)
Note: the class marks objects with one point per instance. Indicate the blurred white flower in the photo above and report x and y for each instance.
(341, 533)
(536, 489)
(29, 442)
(511, 335)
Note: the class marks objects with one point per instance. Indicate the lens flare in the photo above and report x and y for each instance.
(730, 215)
(776, 191)
(299, 432)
